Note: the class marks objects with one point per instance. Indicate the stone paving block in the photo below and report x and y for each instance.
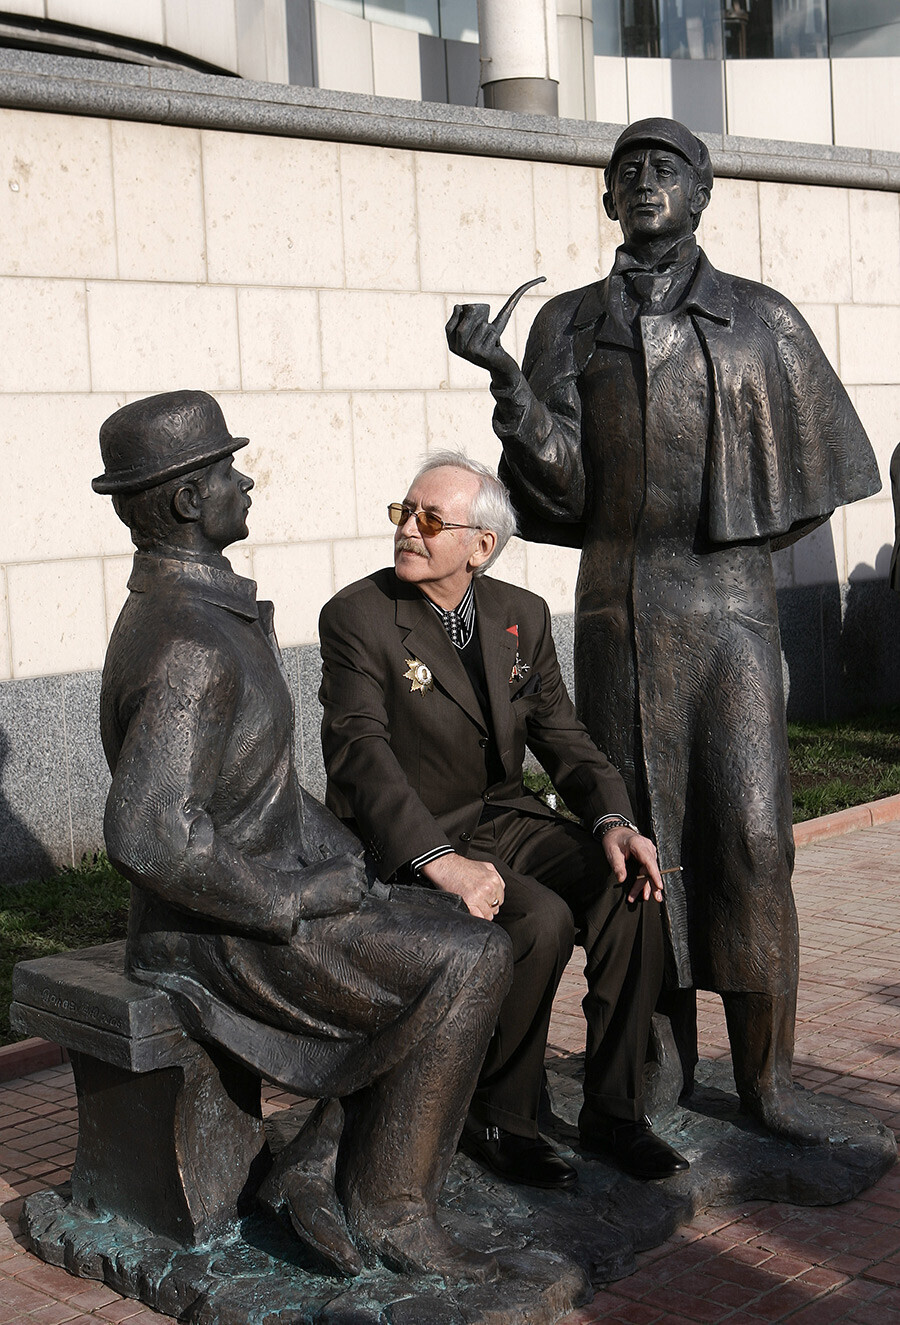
(693, 1308)
(55, 1313)
(821, 1312)
(18, 1297)
(93, 1298)
(118, 1311)
(728, 1295)
(876, 1313)
(45, 1278)
(887, 1272)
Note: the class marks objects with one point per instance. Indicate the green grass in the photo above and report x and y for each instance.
(75, 908)
(833, 766)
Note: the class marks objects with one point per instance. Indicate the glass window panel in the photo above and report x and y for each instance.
(607, 27)
(420, 15)
(799, 29)
(690, 29)
(673, 29)
(748, 29)
(459, 19)
(783, 29)
(864, 27)
(640, 28)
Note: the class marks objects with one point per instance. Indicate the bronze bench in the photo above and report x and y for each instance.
(170, 1131)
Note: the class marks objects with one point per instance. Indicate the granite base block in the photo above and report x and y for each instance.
(552, 1247)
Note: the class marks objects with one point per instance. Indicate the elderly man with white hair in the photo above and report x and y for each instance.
(435, 679)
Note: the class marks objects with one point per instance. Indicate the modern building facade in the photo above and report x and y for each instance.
(815, 71)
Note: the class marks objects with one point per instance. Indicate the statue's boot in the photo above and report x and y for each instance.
(415, 1243)
(672, 1055)
(400, 1133)
(761, 1032)
(300, 1185)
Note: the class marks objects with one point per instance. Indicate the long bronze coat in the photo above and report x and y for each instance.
(678, 462)
(206, 817)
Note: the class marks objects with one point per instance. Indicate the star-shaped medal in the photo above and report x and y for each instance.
(419, 675)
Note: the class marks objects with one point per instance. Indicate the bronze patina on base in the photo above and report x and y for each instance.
(553, 1248)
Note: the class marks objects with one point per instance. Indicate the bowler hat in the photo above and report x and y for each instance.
(155, 439)
(658, 132)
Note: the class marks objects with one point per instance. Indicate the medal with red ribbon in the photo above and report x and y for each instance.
(520, 668)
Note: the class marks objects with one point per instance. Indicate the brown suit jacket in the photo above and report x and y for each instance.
(407, 766)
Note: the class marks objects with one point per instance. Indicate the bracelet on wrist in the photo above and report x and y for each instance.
(609, 824)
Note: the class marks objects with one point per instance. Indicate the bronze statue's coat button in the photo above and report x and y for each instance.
(483, 742)
(465, 837)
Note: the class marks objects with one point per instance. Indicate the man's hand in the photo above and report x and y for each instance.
(331, 887)
(473, 337)
(475, 881)
(624, 844)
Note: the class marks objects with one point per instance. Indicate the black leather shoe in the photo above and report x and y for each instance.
(634, 1147)
(531, 1161)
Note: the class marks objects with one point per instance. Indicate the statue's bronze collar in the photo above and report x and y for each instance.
(213, 584)
(707, 295)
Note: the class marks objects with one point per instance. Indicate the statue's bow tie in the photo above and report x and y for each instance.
(648, 287)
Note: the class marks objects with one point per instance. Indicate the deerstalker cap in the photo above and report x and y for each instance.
(155, 439)
(664, 133)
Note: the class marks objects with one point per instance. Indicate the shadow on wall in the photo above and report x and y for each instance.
(840, 642)
(868, 661)
(53, 776)
(18, 843)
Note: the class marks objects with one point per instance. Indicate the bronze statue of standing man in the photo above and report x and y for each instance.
(680, 424)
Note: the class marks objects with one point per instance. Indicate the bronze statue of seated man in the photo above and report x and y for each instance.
(249, 900)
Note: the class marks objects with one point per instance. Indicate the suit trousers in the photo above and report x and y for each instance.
(559, 891)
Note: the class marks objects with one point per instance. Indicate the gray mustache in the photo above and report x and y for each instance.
(409, 545)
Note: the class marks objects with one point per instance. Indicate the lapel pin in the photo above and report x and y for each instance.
(419, 675)
(520, 669)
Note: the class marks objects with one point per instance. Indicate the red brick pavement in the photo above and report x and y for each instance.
(750, 1264)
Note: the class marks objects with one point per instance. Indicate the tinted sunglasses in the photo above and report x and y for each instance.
(427, 522)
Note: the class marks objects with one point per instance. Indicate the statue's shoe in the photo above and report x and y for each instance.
(797, 1115)
(312, 1207)
(420, 1246)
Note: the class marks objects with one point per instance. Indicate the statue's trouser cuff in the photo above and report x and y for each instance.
(761, 1035)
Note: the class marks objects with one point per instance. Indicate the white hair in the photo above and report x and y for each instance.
(491, 507)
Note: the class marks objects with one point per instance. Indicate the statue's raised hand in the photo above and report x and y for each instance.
(472, 336)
